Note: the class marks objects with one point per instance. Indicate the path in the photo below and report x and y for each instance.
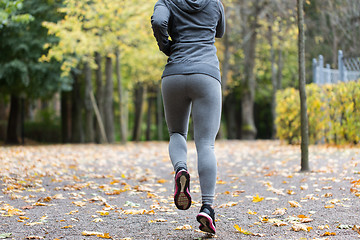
(125, 192)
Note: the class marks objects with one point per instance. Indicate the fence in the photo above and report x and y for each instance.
(349, 70)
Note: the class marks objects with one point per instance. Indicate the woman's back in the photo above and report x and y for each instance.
(192, 26)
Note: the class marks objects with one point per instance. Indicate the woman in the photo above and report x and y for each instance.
(191, 79)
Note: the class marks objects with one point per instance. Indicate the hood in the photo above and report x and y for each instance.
(191, 6)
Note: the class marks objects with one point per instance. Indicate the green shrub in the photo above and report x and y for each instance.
(333, 113)
(43, 131)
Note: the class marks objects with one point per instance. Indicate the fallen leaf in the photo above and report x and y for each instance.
(243, 231)
(345, 226)
(328, 234)
(65, 227)
(220, 182)
(90, 233)
(356, 229)
(294, 204)
(103, 213)
(184, 227)
(279, 211)
(131, 204)
(105, 235)
(5, 235)
(322, 227)
(280, 223)
(162, 181)
(329, 206)
(306, 220)
(157, 220)
(79, 203)
(72, 212)
(97, 220)
(135, 211)
(257, 198)
(34, 237)
(229, 204)
(251, 212)
(300, 227)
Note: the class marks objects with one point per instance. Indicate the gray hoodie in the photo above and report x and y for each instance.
(192, 26)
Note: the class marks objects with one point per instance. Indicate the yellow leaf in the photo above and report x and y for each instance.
(70, 226)
(150, 195)
(329, 206)
(161, 181)
(328, 234)
(114, 181)
(185, 227)
(105, 235)
(251, 212)
(103, 213)
(220, 182)
(257, 198)
(322, 227)
(90, 233)
(72, 212)
(243, 231)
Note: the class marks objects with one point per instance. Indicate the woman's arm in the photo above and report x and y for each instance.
(220, 28)
(159, 22)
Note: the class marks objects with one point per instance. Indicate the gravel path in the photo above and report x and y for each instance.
(126, 192)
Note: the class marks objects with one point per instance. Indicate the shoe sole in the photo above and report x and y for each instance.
(206, 223)
(182, 196)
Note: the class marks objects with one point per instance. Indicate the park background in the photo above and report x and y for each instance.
(90, 71)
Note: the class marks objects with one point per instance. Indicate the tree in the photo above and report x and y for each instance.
(302, 82)
(22, 39)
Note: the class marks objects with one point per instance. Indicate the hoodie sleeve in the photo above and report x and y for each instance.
(220, 28)
(159, 22)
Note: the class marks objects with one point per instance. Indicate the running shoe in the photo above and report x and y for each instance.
(206, 218)
(182, 196)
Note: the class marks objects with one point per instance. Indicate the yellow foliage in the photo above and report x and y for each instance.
(333, 113)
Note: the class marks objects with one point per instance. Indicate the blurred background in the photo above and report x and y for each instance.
(90, 71)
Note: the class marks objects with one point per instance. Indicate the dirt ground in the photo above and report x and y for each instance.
(126, 192)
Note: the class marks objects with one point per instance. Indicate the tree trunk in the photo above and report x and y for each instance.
(280, 68)
(273, 82)
(2, 109)
(140, 92)
(150, 100)
(108, 101)
(122, 106)
(77, 135)
(159, 118)
(89, 111)
(302, 82)
(230, 116)
(248, 129)
(2, 118)
(224, 77)
(65, 117)
(14, 121)
(98, 118)
(99, 97)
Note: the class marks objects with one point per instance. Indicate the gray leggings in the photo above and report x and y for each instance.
(202, 93)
